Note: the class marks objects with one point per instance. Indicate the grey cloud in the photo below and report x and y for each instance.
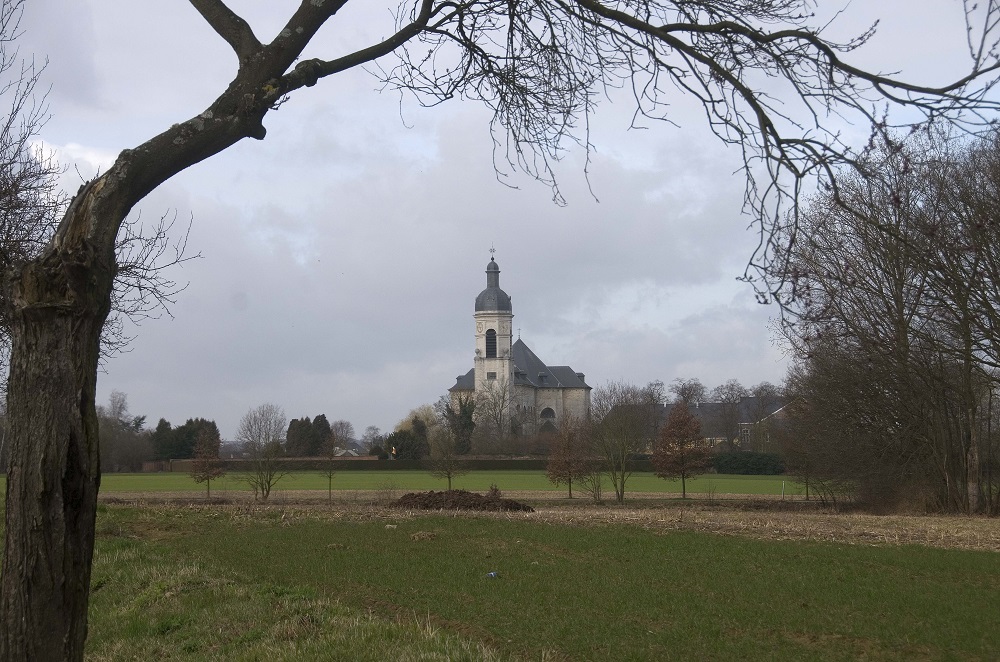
(343, 253)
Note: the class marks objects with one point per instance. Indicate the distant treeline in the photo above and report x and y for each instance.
(738, 463)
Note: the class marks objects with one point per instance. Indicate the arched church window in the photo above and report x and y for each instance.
(548, 414)
(491, 344)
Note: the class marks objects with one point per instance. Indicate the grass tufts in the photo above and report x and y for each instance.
(293, 583)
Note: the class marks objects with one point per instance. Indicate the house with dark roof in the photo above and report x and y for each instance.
(511, 374)
(745, 424)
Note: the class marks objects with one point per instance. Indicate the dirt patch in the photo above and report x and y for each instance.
(460, 500)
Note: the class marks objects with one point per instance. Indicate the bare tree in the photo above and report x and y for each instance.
(591, 479)
(624, 422)
(729, 396)
(330, 449)
(124, 443)
(495, 410)
(371, 438)
(895, 326)
(688, 390)
(343, 431)
(539, 66)
(680, 451)
(29, 197)
(207, 466)
(569, 456)
(261, 430)
(764, 400)
(445, 459)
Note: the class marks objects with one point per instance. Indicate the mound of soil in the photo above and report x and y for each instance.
(459, 500)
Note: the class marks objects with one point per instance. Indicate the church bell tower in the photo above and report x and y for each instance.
(494, 318)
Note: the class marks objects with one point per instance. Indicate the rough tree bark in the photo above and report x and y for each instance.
(60, 302)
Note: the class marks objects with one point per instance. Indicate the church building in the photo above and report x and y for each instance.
(539, 396)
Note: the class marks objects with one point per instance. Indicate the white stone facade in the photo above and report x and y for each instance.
(541, 397)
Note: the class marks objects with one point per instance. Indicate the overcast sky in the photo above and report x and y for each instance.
(342, 255)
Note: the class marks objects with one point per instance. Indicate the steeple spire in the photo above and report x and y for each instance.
(492, 274)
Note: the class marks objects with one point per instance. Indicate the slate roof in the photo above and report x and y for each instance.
(529, 370)
(466, 382)
(712, 414)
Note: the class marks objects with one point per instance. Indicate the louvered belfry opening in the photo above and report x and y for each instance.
(491, 344)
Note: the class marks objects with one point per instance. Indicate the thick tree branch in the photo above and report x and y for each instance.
(298, 32)
(307, 73)
(230, 27)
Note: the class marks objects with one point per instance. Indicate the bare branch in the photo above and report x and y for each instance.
(229, 26)
(307, 73)
(142, 289)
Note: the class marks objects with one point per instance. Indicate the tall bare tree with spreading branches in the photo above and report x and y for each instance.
(624, 422)
(895, 328)
(539, 65)
(261, 431)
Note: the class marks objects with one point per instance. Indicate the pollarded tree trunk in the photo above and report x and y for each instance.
(60, 303)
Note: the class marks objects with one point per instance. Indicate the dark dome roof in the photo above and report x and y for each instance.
(493, 298)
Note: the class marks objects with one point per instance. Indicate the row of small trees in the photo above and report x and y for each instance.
(262, 436)
(625, 423)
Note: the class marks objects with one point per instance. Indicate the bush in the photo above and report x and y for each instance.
(747, 463)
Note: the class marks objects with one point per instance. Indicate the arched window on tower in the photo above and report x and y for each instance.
(547, 414)
(491, 344)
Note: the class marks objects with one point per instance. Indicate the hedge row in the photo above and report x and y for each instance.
(746, 463)
(364, 464)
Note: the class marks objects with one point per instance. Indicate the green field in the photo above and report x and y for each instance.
(285, 584)
(421, 480)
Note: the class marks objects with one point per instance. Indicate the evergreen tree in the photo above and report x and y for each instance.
(420, 438)
(186, 436)
(299, 438)
(179, 443)
(321, 434)
(406, 445)
(162, 439)
(460, 421)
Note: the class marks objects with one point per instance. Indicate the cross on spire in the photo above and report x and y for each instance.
(492, 250)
